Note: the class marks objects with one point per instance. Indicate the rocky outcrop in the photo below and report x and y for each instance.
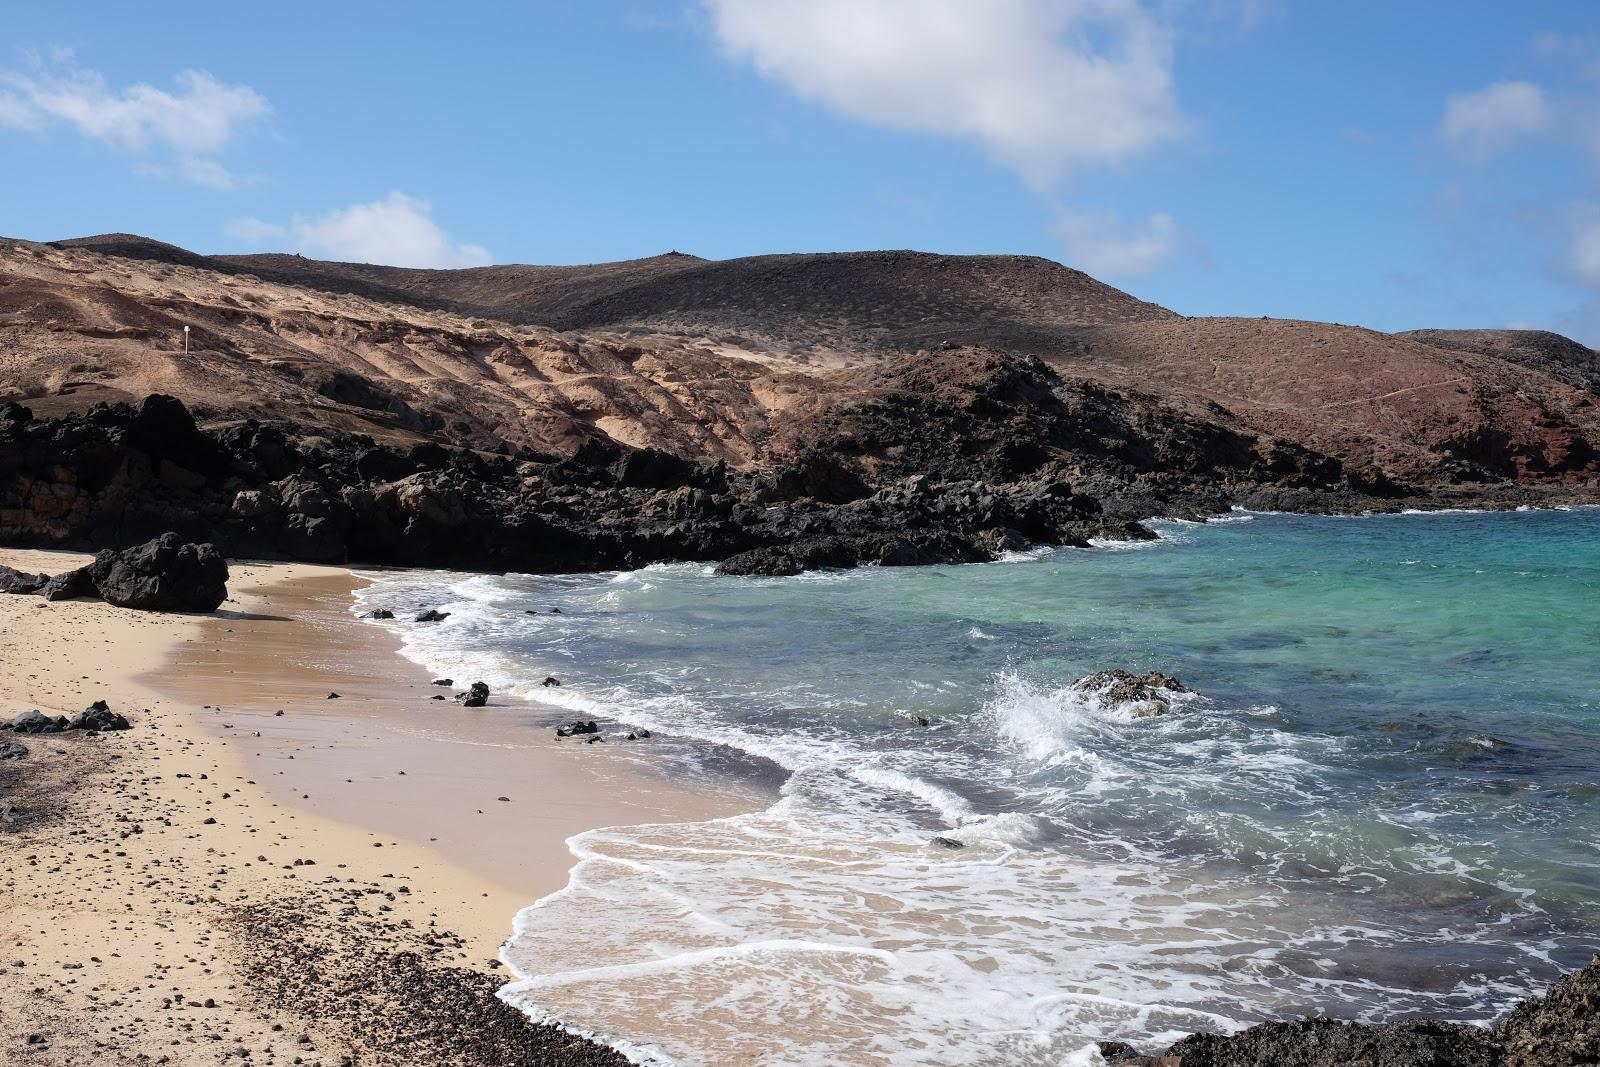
(1559, 1029)
(1325, 1043)
(929, 473)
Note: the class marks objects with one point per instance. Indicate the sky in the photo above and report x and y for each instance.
(1393, 165)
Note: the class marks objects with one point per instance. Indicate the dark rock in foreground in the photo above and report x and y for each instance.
(162, 575)
(1559, 1029)
(574, 729)
(476, 696)
(12, 749)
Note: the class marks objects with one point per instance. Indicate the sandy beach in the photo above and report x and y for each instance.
(258, 871)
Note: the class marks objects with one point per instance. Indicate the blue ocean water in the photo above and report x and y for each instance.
(1383, 799)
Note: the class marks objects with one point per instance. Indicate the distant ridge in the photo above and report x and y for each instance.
(886, 299)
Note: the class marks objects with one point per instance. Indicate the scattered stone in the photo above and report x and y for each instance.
(947, 842)
(433, 615)
(10, 749)
(576, 727)
(551, 680)
(378, 613)
(334, 696)
(444, 681)
(476, 696)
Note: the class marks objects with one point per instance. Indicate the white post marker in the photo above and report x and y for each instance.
(186, 340)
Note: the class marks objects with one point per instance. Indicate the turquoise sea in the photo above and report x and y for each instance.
(1383, 799)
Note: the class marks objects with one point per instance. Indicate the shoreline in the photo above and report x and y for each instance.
(229, 895)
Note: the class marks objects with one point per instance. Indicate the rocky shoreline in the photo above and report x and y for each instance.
(121, 474)
(1559, 1029)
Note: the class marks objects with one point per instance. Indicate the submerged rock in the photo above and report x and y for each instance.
(433, 615)
(1140, 695)
(551, 680)
(378, 613)
(576, 727)
(476, 696)
(444, 681)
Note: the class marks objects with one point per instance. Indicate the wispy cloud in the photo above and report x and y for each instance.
(398, 230)
(1104, 243)
(179, 132)
(1487, 121)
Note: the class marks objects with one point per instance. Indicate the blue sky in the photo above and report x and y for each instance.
(1392, 165)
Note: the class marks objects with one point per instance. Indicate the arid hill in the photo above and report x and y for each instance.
(1048, 405)
(725, 360)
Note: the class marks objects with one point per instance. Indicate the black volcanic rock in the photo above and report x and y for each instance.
(70, 585)
(37, 722)
(97, 717)
(14, 581)
(1559, 1029)
(162, 575)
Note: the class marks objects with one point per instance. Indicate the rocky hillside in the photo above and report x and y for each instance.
(811, 410)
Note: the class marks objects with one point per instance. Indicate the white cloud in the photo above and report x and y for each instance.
(1482, 123)
(199, 170)
(1102, 243)
(398, 230)
(1043, 84)
(1583, 243)
(193, 122)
